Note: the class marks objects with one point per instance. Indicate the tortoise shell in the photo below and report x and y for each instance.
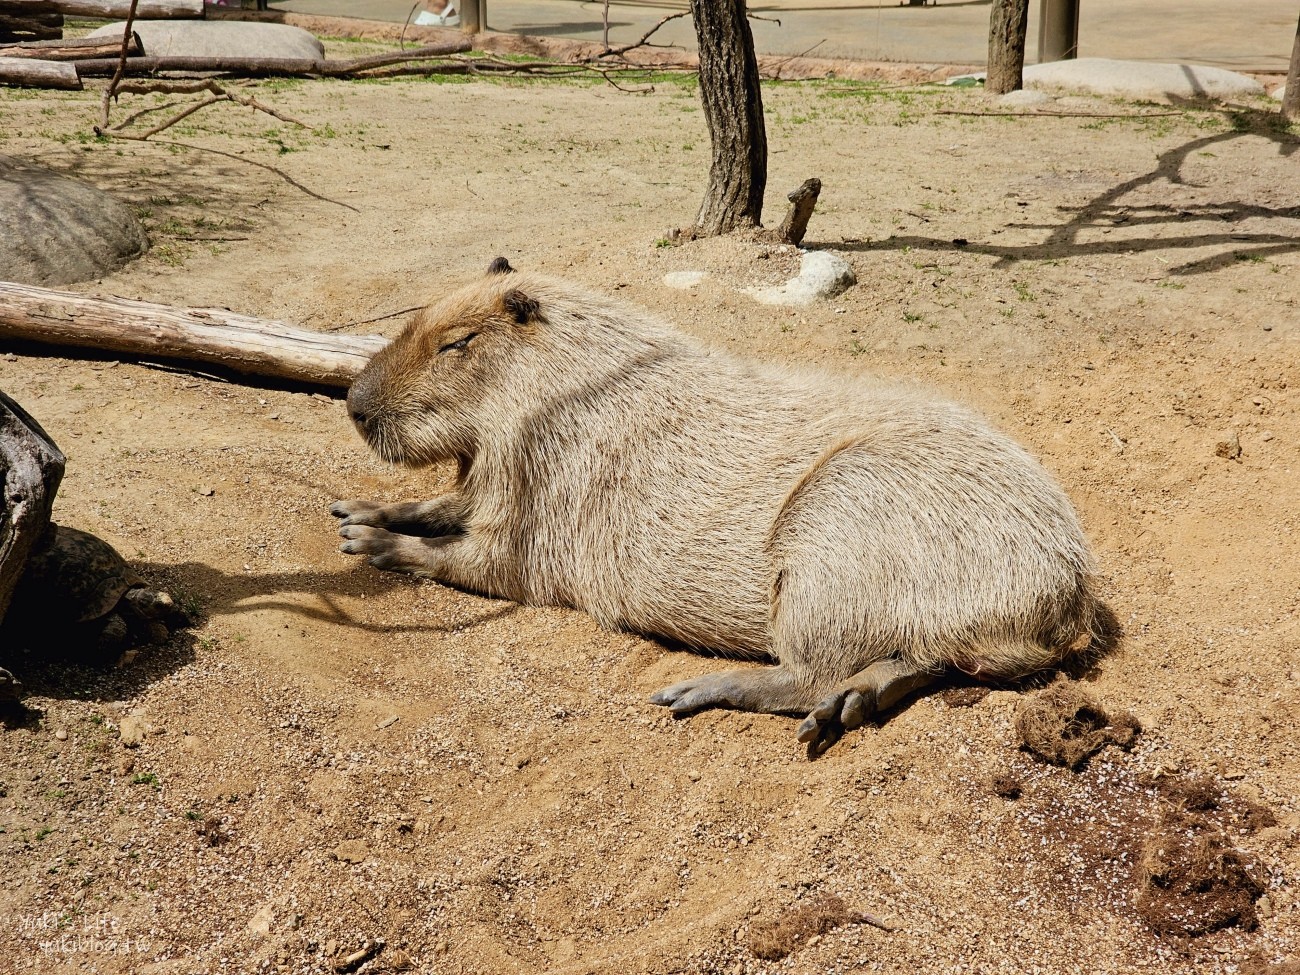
(75, 577)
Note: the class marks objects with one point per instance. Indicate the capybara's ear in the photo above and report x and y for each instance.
(500, 265)
(519, 305)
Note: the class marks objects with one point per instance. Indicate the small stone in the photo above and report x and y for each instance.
(352, 851)
(131, 729)
(1266, 436)
(61, 735)
(693, 775)
(206, 491)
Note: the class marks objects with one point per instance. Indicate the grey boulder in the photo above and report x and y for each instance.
(219, 39)
(55, 230)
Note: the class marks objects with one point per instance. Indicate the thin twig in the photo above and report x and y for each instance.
(121, 65)
(618, 51)
(260, 165)
(955, 111)
(401, 41)
(370, 321)
(215, 94)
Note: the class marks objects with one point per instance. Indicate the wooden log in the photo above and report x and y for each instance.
(210, 335)
(112, 9)
(262, 67)
(30, 32)
(30, 73)
(72, 49)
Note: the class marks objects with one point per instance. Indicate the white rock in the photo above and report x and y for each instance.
(1139, 79)
(1279, 93)
(821, 275)
(219, 38)
(1021, 98)
(684, 279)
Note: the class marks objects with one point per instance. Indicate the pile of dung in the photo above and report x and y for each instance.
(1064, 726)
(1194, 882)
(773, 940)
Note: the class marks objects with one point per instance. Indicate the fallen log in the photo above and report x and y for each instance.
(31, 73)
(111, 9)
(72, 48)
(262, 67)
(214, 336)
(30, 27)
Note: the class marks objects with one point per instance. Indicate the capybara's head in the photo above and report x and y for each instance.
(422, 398)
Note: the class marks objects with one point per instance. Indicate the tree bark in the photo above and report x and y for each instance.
(733, 111)
(31, 467)
(1008, 25)
(111, 9)
(71, 49)
(1291, 97)
(209, 335)
(31, 73)
(30, 26)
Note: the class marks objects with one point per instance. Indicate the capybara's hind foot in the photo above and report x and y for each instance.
(767, 689)
(869, 692)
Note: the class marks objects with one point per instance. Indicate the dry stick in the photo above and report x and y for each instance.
(217, 94)
(616, 52)
(954, 111)
(121, 65)
(261, 165)
(380, 318)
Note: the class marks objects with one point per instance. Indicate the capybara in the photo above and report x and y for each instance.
(863, 535)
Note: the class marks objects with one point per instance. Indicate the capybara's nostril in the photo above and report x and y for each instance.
(358, 416)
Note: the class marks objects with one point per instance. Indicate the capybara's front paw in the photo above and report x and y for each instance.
(383, 549)
(357, 512)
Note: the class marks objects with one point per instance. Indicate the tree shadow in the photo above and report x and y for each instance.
(1107, 210)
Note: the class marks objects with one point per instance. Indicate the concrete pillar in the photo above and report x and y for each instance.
(1058, 30)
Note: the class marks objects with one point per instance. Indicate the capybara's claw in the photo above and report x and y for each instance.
(363, 540)
(826, 723)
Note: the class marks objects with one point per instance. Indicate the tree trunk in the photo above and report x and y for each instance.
(71, 49)
(1291, 97)
(210, 335)
(111, 9)
(733, 110)
(1008, 25)
(266, 67)
(31, 73)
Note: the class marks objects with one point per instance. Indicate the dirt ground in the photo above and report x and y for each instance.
(345, 768)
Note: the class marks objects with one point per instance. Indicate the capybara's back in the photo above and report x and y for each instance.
(865, 536)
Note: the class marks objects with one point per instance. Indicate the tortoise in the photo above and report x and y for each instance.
(62, 591)
(78, 589)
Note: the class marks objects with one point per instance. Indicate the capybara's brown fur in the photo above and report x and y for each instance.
(863, 535)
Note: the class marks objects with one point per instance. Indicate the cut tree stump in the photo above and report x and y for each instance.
(802, 203)
(209, 335)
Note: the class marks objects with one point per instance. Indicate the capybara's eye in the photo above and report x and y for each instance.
(459, 343)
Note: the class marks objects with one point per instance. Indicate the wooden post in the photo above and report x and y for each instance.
(473, 15)
(1008, 25)
(1058, 30)
(210, 335)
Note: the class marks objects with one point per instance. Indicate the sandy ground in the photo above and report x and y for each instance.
(336, 757)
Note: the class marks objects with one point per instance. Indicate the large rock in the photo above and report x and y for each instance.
(55, 230)
(219, 38)
(1138, 79)
(821, 275)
